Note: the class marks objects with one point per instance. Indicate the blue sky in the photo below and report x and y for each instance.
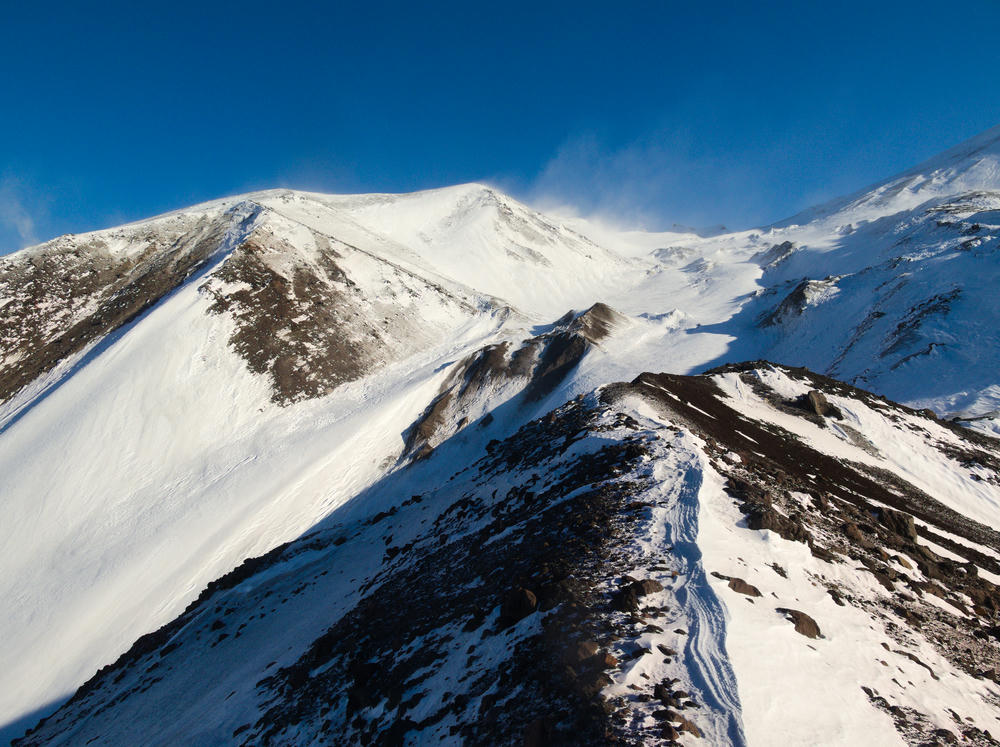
(652, 113)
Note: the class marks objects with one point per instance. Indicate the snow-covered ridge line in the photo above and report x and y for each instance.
(60, 303)
(629, 566)
(215, 403)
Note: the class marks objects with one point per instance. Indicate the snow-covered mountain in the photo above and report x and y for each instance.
(396, 417)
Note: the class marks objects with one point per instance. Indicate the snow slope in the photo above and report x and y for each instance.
(629, 487)
(189, 391)
(162, 462)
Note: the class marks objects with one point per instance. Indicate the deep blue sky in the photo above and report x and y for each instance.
(652, 112)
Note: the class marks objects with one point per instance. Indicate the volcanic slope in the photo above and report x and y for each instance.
(186, 392)
(673, 560)
(201, 387)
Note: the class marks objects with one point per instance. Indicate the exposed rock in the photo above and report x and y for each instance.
(742, 587)
(776, 254)
(627, 599)
(686, 725)
(946, 735)
(59, 297)
(607, 661)
(580, 652)
(537, 366)
(898, 522)
(764, 517)
(854, 534)
(590, 684)
(648, 586)
(817, 401)
(597, 322)
(804, 625)
(883, 578)
(517, 605)
(796, 302)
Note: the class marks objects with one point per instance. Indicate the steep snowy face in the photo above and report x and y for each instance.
(902, 304)
(713, 559)
(183, 393)
(476, 237)
(60, 297)
(195, 386)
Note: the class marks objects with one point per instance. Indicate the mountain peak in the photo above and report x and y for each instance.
(448, 516)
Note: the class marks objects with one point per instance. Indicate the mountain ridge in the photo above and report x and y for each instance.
(183, 393)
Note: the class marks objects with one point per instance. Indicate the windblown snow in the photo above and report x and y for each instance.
(187, 392)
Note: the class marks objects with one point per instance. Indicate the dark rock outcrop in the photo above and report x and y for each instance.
(817, 401)
(804, 624)
(518, 604)
(627, 598)
(742, 587)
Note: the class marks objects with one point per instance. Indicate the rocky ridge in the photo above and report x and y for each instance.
(516, 602)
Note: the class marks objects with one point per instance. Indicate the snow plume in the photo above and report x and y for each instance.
(668, 176)
(16, 222)
(585, 176)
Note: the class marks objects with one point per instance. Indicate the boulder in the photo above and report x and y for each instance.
(804, 625)
(670, 733)
(689, 726)
(648, 586)
(883, 578)
(518, 604)
(742, 587)
(607, 661)
(946, 736)
(763, 516)
(627, 598)
(899, 523)
(819, 404)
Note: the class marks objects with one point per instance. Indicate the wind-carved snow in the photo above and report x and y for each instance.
(676, 503)
(184, 392)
